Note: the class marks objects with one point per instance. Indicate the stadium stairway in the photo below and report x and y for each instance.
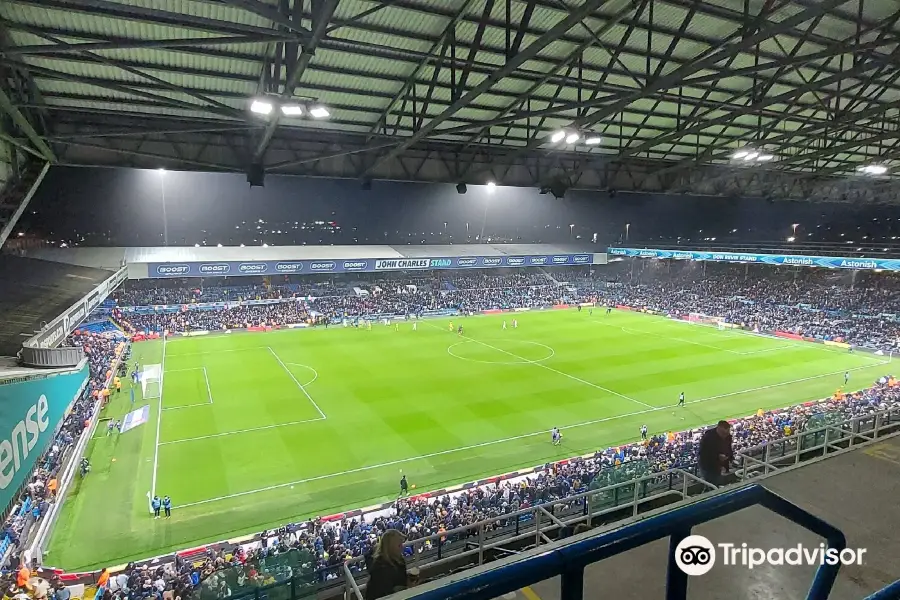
(851, 495)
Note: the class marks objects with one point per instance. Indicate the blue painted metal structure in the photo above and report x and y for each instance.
(569, 561)
(891, 592)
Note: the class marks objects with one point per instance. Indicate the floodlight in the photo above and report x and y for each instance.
(751, 155)
(765, 157)
(291, 110)
(558, 136)
(593, 141)
(740, 154)
(572, 138)
(873, 169)
(319, 112)
(261, 107)
(491, 186)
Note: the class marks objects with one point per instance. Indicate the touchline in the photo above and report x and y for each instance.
(745, 556)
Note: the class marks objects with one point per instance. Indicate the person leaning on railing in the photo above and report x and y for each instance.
(715, 452)
(387, 566)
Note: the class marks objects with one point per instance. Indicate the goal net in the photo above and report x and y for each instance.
(703, 319)
(150, 381)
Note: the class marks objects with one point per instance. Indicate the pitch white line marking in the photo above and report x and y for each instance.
(694, 343)
(501, 441)
(500, 362)
(524, 360)
(208, 391)
(221, 351)
(302, 389)
(251, 429)
(162, 376)
(315, 373)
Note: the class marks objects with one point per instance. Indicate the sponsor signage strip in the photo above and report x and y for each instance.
(830, 262)
(30, 412)
(303, 267)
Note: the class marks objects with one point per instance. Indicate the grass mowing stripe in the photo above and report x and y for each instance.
(563, 373)
(299, 385)
(251, 429)
(401, 461)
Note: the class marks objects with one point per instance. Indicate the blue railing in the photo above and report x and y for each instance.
(891, 592)
(569, 561)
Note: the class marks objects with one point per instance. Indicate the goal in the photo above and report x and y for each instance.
(150, 381)
(703, 319)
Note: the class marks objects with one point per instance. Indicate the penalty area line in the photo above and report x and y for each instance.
(299, 385)
(494, 442)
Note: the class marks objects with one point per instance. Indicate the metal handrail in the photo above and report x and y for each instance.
(890, 592)
(568, 560)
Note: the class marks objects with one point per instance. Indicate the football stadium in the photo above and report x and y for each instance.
(442, 300)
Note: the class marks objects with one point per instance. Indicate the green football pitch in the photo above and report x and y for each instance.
(254, 430)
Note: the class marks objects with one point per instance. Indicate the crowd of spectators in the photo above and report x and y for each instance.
(257, 315)
(862, 310)
(39, 493)
(819, 304)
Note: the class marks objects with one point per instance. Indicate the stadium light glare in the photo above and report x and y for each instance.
(557, 136)
(491, 186)
(751, 155)
(319, 112)
(873, 169)
(791, 239)
(572, 138)
(593, 140)
(261, 107)
(765, 157)
(740, 154)
(291, 110)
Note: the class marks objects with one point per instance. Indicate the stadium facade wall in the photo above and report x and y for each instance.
(30, 414)
(164, 270)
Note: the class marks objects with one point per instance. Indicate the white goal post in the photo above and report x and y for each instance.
(151, 376)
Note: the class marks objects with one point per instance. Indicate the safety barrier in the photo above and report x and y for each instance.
(568, 561)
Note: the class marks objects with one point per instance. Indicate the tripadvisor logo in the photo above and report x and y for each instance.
(696, 555)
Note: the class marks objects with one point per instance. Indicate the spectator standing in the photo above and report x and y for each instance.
(715, 452)
(387, 571)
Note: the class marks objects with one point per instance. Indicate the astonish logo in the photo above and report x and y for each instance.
(24, 436)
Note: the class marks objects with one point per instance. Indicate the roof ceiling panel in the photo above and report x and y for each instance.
(796, 76)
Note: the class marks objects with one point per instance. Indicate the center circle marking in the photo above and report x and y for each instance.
(501, 351)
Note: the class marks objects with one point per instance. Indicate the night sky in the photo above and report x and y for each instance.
(124, 207)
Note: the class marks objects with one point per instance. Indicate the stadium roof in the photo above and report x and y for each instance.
(468, 90)
(111, 258)
(35, 292)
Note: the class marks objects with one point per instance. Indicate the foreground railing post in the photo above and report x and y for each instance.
(481, 544)
(572, 584)
(676, 579)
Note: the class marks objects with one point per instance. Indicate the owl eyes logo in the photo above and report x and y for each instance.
(695, 555)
